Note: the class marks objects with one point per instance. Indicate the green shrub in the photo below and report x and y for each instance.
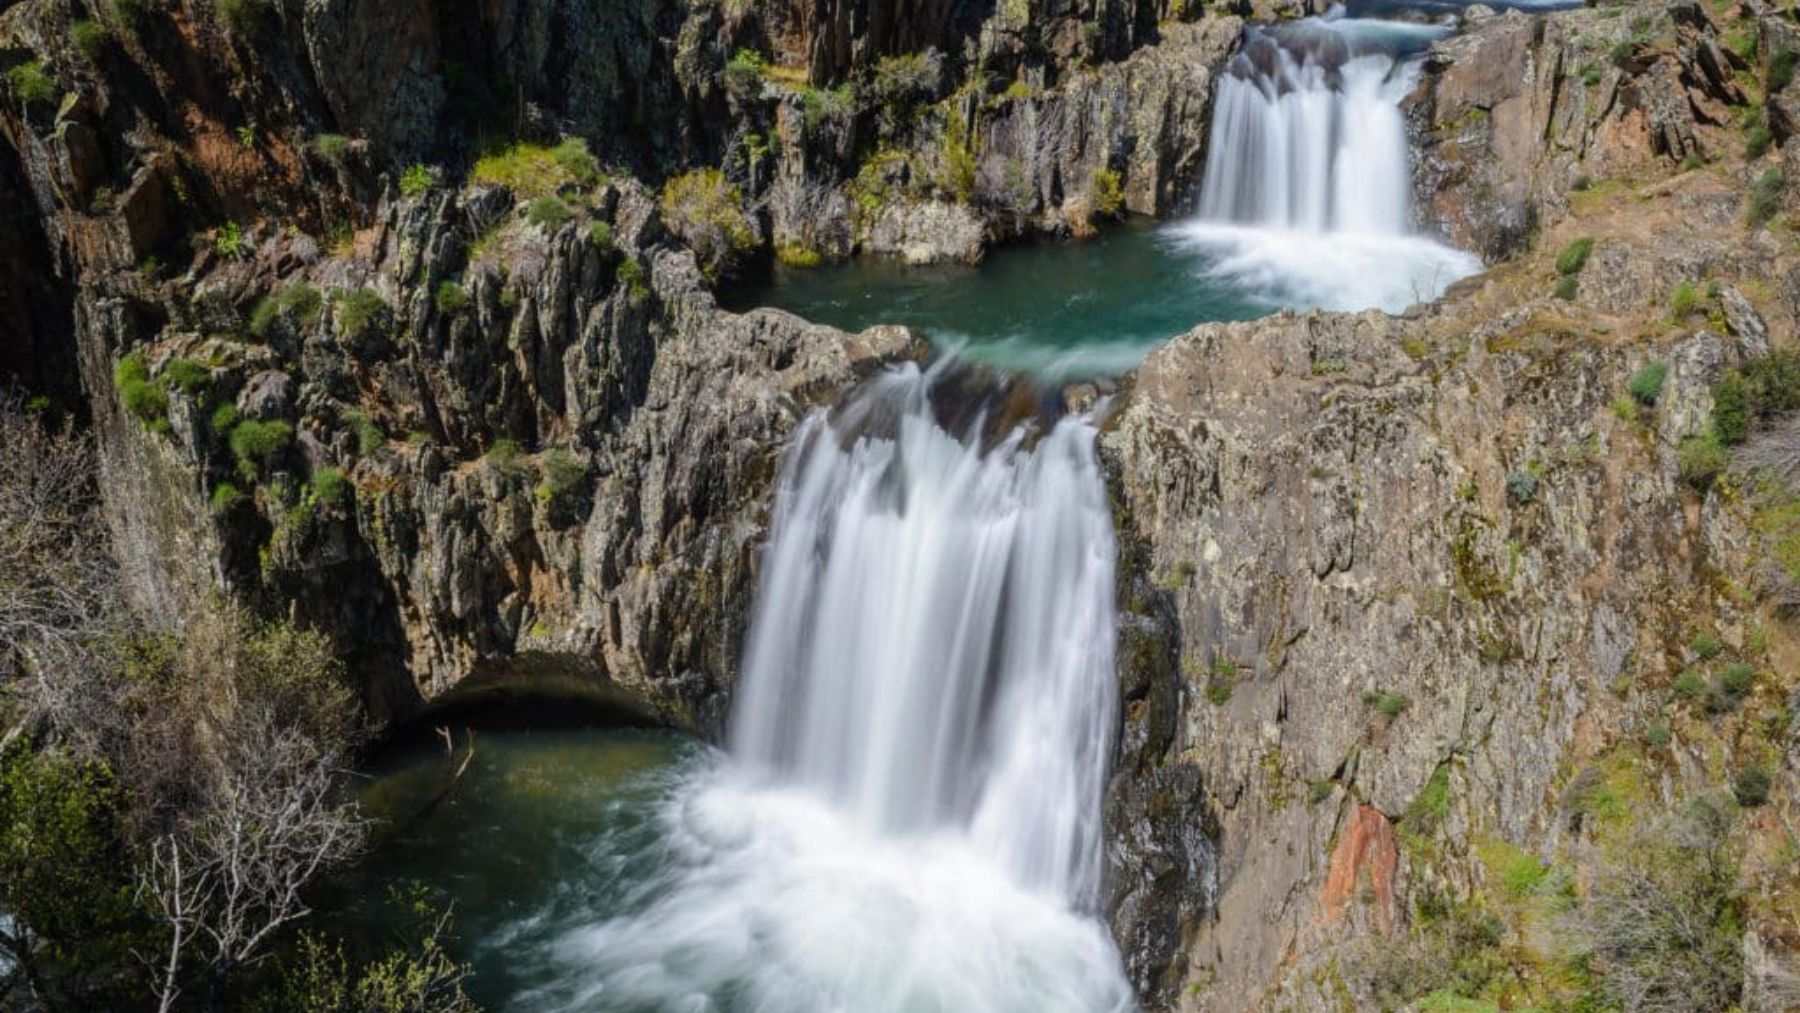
(1658, 736)
(188, 376)
(334, 148)
(31, 84)
(528, 170)
(601, 234)
(146, 401)
(548, 213)
(1751, 786)
(743, 73)
(1428, 809)
(1565, 288)
(505, 455)
(1737, 679)
(1701, 459)
(1758, 142)
(574, 158)
(329, 487)
(301, 302)
(900, 84)
(1647, 383)
(797, 254)
(1780, 70)
(706, 210)
(229, 240)
(1683, 301)
(1521, 487)
(1574, 256)
(1388, 704)
(415, 180)
(244, 17)
(631, 279)
(819, 106)
(369, 437)
(1754, 394)
(1689, 685)
(1765, 196)
(1109, 193)
(91, 37)
(565, 476)
(224, 418)
(254, 442)
(1706, 646)
(225, 496)
(358, 310)
(1731, 409)
(130, 367)
(450, 297)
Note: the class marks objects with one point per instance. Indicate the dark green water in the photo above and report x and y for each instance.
(1058, 309)
(545, 830)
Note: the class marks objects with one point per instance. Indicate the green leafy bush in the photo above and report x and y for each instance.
(224, 418)
(450, 297)
(706, 210)
(31, 84)
(91, 37)
(255, 443)
(225, 496)
(1780, 69)
(146, 401)
(601, 234)
(1751, 786)
(505, 455)
(229, 240)
(1765, 197)
(333, 148)
(329, 487)
(1647, 383)
(1757, 142)
(357, 311)
(186, 375)
(1689, 685)
(1737, 679)
(565, 477)
(1574, 256)
(1521, 487)
(1706, 646)
(415, 180)
(1565, 288)
(1388, 704)
(631, 278)
(369, 437)
(549, 213)
(1109, 193)
(244, 17)
(1658, 735)
(1755, 394)
(1701, 459)
(1683, 301)
(574, 158)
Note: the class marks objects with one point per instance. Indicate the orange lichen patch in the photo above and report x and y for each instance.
(1365, 860)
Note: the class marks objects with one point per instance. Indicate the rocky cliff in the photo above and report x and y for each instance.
(1458, 600)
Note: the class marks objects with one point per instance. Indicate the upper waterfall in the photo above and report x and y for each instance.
(1307, 193)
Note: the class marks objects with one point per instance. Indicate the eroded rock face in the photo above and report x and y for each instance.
(1334, 501)
(1517, 112)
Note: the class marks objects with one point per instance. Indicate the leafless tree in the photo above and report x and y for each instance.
(58, 586)
(238, 875)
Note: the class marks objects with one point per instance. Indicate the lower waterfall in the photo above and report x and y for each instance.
(910, 817)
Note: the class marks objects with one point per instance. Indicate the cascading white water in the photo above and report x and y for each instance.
(933, 644)
(911, 820)
(1308, 186)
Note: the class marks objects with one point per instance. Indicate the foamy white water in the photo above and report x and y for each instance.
(911, 816)
(1308, 189)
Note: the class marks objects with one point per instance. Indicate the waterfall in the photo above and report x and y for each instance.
(1307, 194)
(933, 642)
(909, 817)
